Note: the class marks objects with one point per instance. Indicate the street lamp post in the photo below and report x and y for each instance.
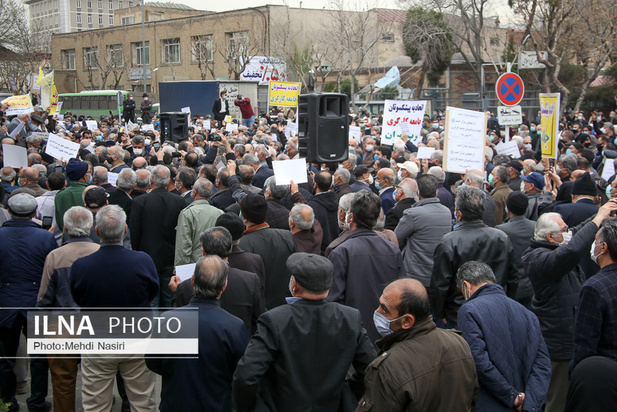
(143, 43)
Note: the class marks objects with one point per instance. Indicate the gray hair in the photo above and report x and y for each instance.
(216, 241)
(160, 176)
(117, 151)
(438, 155)
(569, 161)
(250, 159)
(380, 223)
(240, 149)
(78, 221)
(410, 188)
(470, 202)
(502, 173)
(277, 192)
(143, 182)
(203, 187)
(438, 173)
(111, 222)
(474, 272)
(343, 174)
(8, 177)
(297, 218)
(40, 169)
(345, 201)
(100, 174)
(546, 224)
(210, 276)
(475, 178)
(353, 159)
(126, 179)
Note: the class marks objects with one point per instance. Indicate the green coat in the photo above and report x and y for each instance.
(193, 220)
(67, 198)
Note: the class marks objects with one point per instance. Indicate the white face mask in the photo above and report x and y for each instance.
(138, 152)
(592, 255)
(369, 147)
(567, 236)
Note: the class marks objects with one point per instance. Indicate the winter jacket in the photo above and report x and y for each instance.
(508, 349)
(557, 279)
(419, 232)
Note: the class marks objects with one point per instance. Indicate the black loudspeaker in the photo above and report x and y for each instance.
(323, 127)
(174, 126)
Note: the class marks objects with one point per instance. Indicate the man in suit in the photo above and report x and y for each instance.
(273, 245)
(278, 214)
(583, 206)
(261, 172)
(223, 198)
(122, 195)
(281, 356)
(220, 109)
(474, 178)
(384, 182)
(520, 231)
(128, 110)
(204, 384)
(99, 178)
(244, 296)
(406, 195)
(154, 217)
(363, 179)
(114, 277)
(341, 183)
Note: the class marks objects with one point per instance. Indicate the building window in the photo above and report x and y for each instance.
(111, 20)
(68, 59)
(111, 5)
(115, 55)
(100, 4)
(120, 4)
(100, 19)
(89, 18)
(128, 20)
(201, 48)
(494, 41)
(79, 18)
(138, 58)
(79, 4)
(90, 57)
(238, 44)
(171, 50)
(89, 4)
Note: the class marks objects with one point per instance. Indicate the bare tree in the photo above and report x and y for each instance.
(203, 51)
(238, 52)
(26, 46)
(356, 31)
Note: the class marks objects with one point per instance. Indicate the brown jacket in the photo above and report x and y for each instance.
(500, 196)
(421, 369)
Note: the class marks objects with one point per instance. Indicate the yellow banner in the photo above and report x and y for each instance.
(549, 121)
(18, 105)
(283, 94)
(45, 80)
(54, 100)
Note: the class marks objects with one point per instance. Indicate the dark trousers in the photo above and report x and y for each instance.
(9, 341)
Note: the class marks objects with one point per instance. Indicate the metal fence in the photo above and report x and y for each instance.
(440, 98)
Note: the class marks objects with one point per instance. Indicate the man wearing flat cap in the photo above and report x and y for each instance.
(79, 173)
(273, 245)
(24, 245)
(583, 206)
(301, 352)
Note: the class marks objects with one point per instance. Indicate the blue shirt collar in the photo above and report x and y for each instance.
(292, 300)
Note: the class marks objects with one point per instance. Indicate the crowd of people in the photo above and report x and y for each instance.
(384, 283)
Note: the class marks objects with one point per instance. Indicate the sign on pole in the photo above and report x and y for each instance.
(402, 116)
(549, 120)
(510, 89)
(283, 94)
(510, 115)
(464, 140)
(529, 60)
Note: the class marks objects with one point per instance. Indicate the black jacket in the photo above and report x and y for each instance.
(396, 213)
(120, 198)
(216, 110)
(202, 384)
(278, 215)
(557, 279)
(222, 199)
(243, 297)
(325, 206)
(300, 356)
(470, 241)
(154, 217)
(249, 262)
(261, 175)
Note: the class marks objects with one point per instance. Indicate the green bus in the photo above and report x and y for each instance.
(95, 103)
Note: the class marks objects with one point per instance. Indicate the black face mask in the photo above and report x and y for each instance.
(110, 159)
(431, 164)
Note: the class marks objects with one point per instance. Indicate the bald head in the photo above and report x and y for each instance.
(409, 297)
(576, 174)
(29, 173)
(386, 176)
(302, 217)
(139, 163)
